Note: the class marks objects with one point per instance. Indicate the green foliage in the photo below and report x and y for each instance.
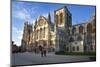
(76, 53)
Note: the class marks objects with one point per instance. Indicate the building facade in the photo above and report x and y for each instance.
(83, 37)
(27, 36)
(60, 35)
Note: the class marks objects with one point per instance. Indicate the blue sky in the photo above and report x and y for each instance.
(30, 11)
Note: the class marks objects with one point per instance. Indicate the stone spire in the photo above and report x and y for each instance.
(49, 18)
(35, 23)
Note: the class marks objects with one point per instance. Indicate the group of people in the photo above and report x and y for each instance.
(43, 50)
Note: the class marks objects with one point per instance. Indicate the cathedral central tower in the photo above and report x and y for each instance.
(63, 23)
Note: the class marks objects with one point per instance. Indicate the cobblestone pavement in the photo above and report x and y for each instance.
(34, 59)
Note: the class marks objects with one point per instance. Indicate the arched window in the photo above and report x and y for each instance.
(73, 30)
(40, 32)
(37, 35)
(79, 38)
(67, 49)
(44, 32)
(89, 39)
(71, 39)
(85, 48)
(89, 28)
(80, 29)
(73, 48)
(56, 19)
(94, 30)
(77, 48)
(61, 18)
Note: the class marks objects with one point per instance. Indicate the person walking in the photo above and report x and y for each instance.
(41, 50)
(44, 51)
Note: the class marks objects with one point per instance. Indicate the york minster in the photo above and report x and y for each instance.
(60, 35)
(52, 33)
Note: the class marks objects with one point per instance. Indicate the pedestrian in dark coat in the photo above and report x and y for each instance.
(44, 51)
(41, 50)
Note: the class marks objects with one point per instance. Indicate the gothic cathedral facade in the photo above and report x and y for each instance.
(60, 35)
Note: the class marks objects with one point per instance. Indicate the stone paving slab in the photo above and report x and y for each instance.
(31, 58)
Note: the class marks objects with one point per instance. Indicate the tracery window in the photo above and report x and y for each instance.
(77, 48)
(40, 32)
(79, 38)
(71, 39)
(61, 18)
(56, 19)
(44, 32)
(73, 48)
(40, 22)
(89, 28)
(80, 29)
(73, 30)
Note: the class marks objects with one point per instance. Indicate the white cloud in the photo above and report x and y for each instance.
(17, 35)
(18, 43)
(45, 15)
(22, 14)
(20, 32)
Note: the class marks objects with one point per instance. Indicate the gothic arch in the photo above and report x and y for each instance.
(44, 32)
(42, 21)
(89, 39)
(40, 32)
(79, 38)
(71, 39)
(73, 30)
(81, 29)
(61, 18)
(89, 28)
(56, 19)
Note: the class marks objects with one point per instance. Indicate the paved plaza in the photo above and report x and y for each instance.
(27, 58)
